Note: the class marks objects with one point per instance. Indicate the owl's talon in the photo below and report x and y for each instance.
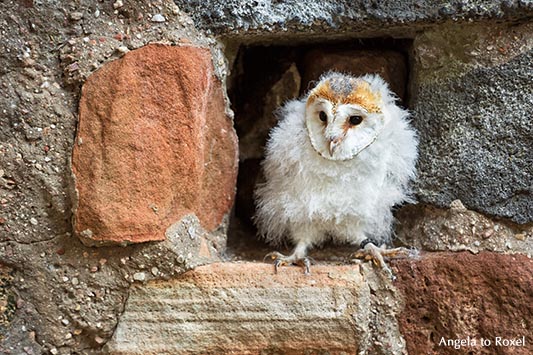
(283, 260)
(277, 264)
(377, 254)
(275, 255)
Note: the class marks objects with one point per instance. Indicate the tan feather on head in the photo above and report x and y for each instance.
(361, 95)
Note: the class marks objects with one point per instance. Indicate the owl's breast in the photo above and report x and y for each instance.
(304, 186)
(333, 190)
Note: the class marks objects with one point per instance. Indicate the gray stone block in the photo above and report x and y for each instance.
(476, 139)
(252, 17)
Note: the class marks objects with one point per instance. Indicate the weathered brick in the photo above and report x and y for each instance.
(154, 143)
(461, 295)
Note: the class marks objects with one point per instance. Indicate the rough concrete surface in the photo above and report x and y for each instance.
(430, 228)
(68, 297)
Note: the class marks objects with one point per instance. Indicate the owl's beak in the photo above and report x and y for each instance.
(333, 145)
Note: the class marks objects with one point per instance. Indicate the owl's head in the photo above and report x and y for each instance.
(345, 114)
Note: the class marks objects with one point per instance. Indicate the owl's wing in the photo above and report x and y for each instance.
(283, 154)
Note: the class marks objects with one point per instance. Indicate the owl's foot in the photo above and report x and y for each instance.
(281, 260)
(377, 254)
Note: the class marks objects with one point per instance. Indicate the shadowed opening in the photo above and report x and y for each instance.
(265, 77)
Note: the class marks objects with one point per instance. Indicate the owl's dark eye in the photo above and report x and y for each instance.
(323, 116)
(355, 120)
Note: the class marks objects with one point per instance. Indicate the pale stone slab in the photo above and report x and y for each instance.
(244, 308)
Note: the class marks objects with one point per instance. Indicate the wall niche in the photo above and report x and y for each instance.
(263, 78)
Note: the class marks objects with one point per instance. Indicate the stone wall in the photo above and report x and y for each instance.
(118, 175)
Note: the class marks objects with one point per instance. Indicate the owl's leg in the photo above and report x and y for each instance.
(298, 257)
(304, 238)
(369, 251)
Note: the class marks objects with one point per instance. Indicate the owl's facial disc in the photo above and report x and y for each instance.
(341, 131)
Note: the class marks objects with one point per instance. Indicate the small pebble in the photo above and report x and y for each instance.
(20, 303)
(75, 281)
(520, 236)
(118, 4)
(139, 276)
(102, 261)
(175, 9)
(488, 233)
(155, 271)
(68, 336)
(97, 13)
(94, 269)
(191, 231)
(98, 340)
(158, 18)
(65, 322)
(34, 221)
(65, 279)
(457, 205)
(76, 16)
(54, 351)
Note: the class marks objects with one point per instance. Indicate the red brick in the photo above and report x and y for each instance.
(460, 295)
(154, 143)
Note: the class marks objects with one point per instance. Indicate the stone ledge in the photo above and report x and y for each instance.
(245, 308)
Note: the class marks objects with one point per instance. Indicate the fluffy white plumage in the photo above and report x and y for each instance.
(336, 179)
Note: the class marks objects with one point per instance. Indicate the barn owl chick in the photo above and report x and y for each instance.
(338, 161)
